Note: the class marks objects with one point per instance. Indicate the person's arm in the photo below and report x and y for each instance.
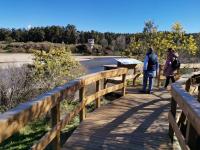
(146, 60)
(157, 66)
(166, 65)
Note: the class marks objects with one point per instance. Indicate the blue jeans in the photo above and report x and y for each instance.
(148, 75)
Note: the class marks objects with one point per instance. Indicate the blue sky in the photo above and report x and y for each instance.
(102, 15)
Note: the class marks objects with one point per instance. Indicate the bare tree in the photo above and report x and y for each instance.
(120, 42)
(104, 43)
(16, 85)
(113, 44)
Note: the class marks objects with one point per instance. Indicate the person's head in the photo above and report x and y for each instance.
(171, 53)
(170, 50)
(150, 50)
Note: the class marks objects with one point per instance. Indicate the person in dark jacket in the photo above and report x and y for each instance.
(168, 69)
(149, 70)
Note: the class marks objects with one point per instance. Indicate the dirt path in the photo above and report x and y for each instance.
(91, 63)
(15, 57)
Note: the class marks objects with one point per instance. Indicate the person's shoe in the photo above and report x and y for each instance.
(142, 91)
(167, 88)
(163, 88)
(149, 92)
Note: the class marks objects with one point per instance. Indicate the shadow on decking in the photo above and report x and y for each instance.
(140, 137)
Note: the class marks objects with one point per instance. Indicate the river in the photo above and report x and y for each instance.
(90, 63)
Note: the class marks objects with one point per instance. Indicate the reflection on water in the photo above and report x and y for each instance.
(96, 64)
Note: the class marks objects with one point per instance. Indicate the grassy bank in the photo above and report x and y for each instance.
(30, 47)
(32, 132)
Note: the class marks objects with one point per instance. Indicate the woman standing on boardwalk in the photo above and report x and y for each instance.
(170, 66)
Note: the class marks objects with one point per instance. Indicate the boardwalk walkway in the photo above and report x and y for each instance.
(136, 121)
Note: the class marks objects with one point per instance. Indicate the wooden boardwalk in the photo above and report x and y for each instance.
(136, 121)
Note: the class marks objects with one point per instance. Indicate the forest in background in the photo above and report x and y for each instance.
(41, 38)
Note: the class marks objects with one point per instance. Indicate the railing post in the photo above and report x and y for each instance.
(187, 133)
(124, 86)
(178, 72)
(158, 76)
(104, 83)
(187, 85)
(198, 97)
(182, 117)
(134, 74)
(98, 100)
(173, 111)
(82, 99)
(190, 137)
(55, 117)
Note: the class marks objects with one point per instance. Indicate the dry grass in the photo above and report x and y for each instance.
(29, 47)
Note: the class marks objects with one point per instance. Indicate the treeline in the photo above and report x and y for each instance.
(115, 42)
(58, 34)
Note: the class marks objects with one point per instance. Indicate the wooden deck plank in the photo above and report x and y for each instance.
(136, 121)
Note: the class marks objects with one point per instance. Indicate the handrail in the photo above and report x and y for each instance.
(194, 66)
(15, 119)
(189, 117)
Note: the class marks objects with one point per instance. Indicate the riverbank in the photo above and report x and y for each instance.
(90, 63)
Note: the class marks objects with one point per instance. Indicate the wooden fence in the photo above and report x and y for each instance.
(160, 76)
(15, 119)
(187, 126)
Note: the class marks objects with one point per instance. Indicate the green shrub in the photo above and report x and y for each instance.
(54, 67)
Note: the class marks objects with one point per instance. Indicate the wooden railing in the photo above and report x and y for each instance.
(134, 76)
(15, 119)
(160, 76)
(187, 126)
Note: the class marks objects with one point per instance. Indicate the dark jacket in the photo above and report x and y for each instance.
(151, 62)
(168, 70)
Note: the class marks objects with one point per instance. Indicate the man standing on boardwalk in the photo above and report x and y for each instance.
(149, 70)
